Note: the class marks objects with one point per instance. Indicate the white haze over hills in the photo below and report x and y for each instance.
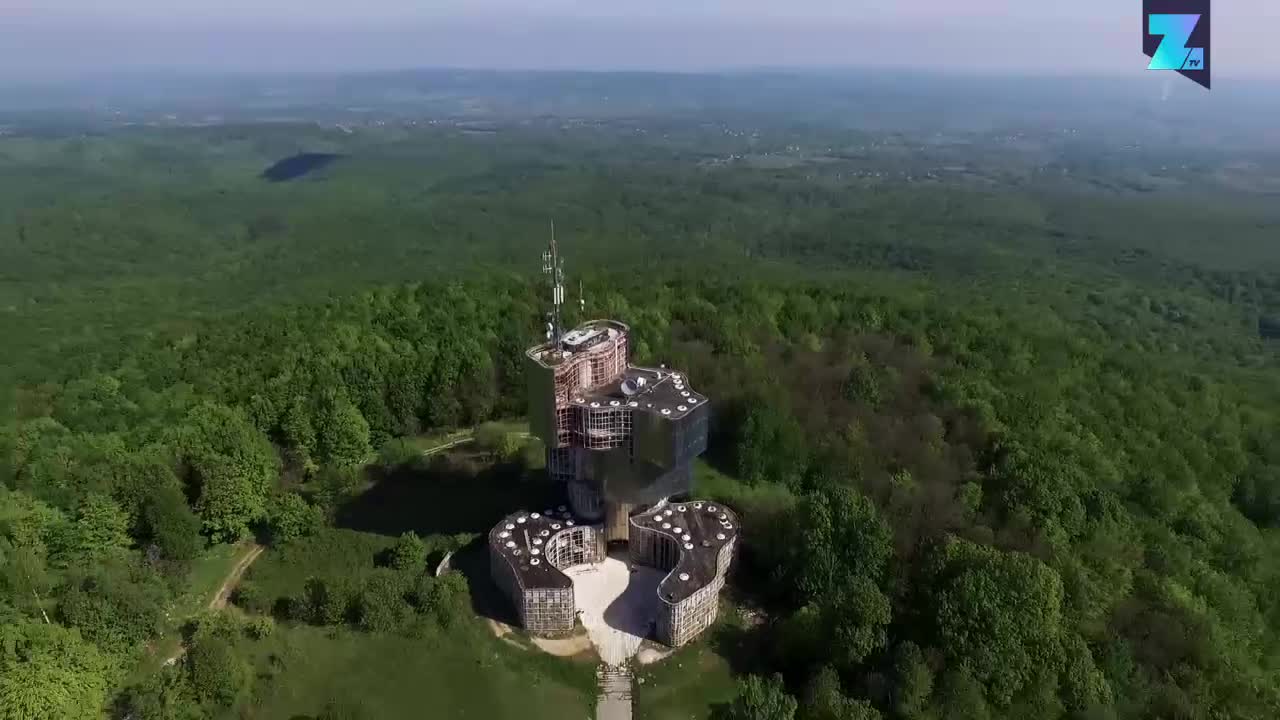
(66, 38)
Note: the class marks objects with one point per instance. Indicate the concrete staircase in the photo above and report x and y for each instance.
(614, 702)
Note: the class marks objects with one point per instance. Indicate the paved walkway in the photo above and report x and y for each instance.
(614, 702)
(616, 605)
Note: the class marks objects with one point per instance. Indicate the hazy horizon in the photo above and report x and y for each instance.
(57, 39)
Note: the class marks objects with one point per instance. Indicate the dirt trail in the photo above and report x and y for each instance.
(220, 598)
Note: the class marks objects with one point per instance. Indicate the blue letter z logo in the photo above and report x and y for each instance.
(1173, 53)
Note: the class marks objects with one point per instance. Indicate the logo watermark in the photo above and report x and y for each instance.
(1175, 35)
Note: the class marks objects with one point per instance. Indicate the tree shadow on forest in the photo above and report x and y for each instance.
(745, 649)
(450, 495)
(721, 711)
(445, 497)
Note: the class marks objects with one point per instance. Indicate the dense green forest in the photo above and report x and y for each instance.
(113, 234)
(1002, 450)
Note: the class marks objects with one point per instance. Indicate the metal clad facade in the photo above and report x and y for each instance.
(542, 402)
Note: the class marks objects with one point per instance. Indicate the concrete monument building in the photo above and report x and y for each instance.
(621, 439)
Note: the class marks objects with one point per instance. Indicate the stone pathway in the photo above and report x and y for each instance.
(616, 606)
(614, 702)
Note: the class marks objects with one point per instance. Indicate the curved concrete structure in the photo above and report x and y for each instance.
(694, 541)
(527, 552)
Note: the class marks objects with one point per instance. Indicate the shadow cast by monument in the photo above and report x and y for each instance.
(616, 606)
(444, 497)
(635, 611)
(487, 599)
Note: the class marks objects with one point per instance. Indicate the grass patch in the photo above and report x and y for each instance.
(423, 670)
(206, 576)
(330, 553)
(688, 685)
(432, 440)
(203, 580)
(462, 673)
(712, 484)
(514, 427)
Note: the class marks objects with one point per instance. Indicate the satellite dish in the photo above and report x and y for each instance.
(629, 387)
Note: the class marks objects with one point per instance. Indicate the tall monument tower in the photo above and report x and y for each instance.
(621, 439)
(619, 436)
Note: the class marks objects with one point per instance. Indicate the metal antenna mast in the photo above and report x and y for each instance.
(553, 268)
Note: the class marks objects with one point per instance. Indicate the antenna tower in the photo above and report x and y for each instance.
(553, 268)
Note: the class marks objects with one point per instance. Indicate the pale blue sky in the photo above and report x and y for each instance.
(66, 37)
